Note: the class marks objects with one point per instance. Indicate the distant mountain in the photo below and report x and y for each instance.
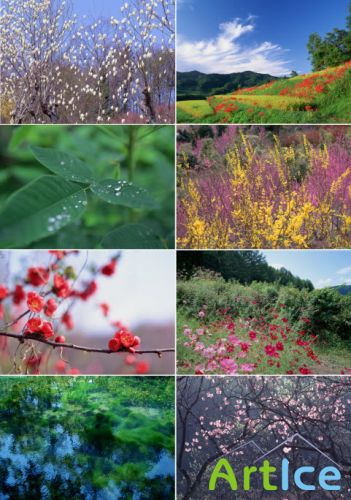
(192, 85)
(343, 289)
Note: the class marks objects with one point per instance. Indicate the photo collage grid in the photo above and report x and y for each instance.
(175, 250)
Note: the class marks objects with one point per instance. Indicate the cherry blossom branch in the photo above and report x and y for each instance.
(23, 338)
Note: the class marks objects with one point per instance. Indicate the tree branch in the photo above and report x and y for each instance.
(22, 338)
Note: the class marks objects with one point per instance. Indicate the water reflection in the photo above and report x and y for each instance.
(46, 460)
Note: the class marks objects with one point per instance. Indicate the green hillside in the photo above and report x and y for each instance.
(343, 289)
(319, 97)
(193, 85)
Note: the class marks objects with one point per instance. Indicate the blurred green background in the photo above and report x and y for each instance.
(105, 150)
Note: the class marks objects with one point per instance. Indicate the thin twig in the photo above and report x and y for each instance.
(23, 338)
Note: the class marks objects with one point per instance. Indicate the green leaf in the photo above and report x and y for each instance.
(40, 209)
(67, 166)
(123, 193)
(75, 237)
(131, 236)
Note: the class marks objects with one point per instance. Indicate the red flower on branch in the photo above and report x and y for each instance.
(38, 276)
(35, 302)
(61, 287)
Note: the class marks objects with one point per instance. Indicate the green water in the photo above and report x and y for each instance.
(85, 437)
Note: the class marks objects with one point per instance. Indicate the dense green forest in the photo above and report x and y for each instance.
(86, 437)
(244, 266)
(197, 85)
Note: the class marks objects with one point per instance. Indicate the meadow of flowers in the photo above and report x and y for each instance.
(236, 345)
(319, 97)
(256, 187)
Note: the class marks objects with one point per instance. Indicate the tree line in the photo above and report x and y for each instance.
(244, 266)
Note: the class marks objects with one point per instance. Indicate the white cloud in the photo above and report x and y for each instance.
(226, 54)
(344, 270)
(277, 266)
(324, 282)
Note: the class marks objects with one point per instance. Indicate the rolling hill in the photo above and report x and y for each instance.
(319, 97)
(196, 85)
(343, 289)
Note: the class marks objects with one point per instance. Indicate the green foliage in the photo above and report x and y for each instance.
(330, 313)
(44, 206)
(105, 182)
(131, 236)
(67, 166)
(327, 309)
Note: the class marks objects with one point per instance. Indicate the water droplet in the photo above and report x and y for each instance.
(62, 163)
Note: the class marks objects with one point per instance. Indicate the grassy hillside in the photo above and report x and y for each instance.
(320, 97)
(193, 85)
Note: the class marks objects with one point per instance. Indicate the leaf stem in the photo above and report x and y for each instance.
(132, 131)
(131, 152)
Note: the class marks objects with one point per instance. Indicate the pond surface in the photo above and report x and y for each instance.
(85, 445)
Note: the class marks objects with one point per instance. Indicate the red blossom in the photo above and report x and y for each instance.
(18, 295)
(110, 268)
(305, 371)
(59, 254)
(142, 367)
(270, 350)
(35, 302)
(60, 366)
(130, 359)
(38, 276)
(67, 320)
(127, 338)
(73, 371)
(105, 309)
(61, 287)
(34, 325)
(47, 329)
(89, 291)
(3, 292)
(114, 344)
(50, 307)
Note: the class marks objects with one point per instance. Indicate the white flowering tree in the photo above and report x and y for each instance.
(57, 68)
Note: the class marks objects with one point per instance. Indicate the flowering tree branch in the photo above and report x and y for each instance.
(23, 338)
(44, 290)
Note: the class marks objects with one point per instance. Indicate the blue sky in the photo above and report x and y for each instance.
(266, 36)
(97, 8)
(322, 267)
